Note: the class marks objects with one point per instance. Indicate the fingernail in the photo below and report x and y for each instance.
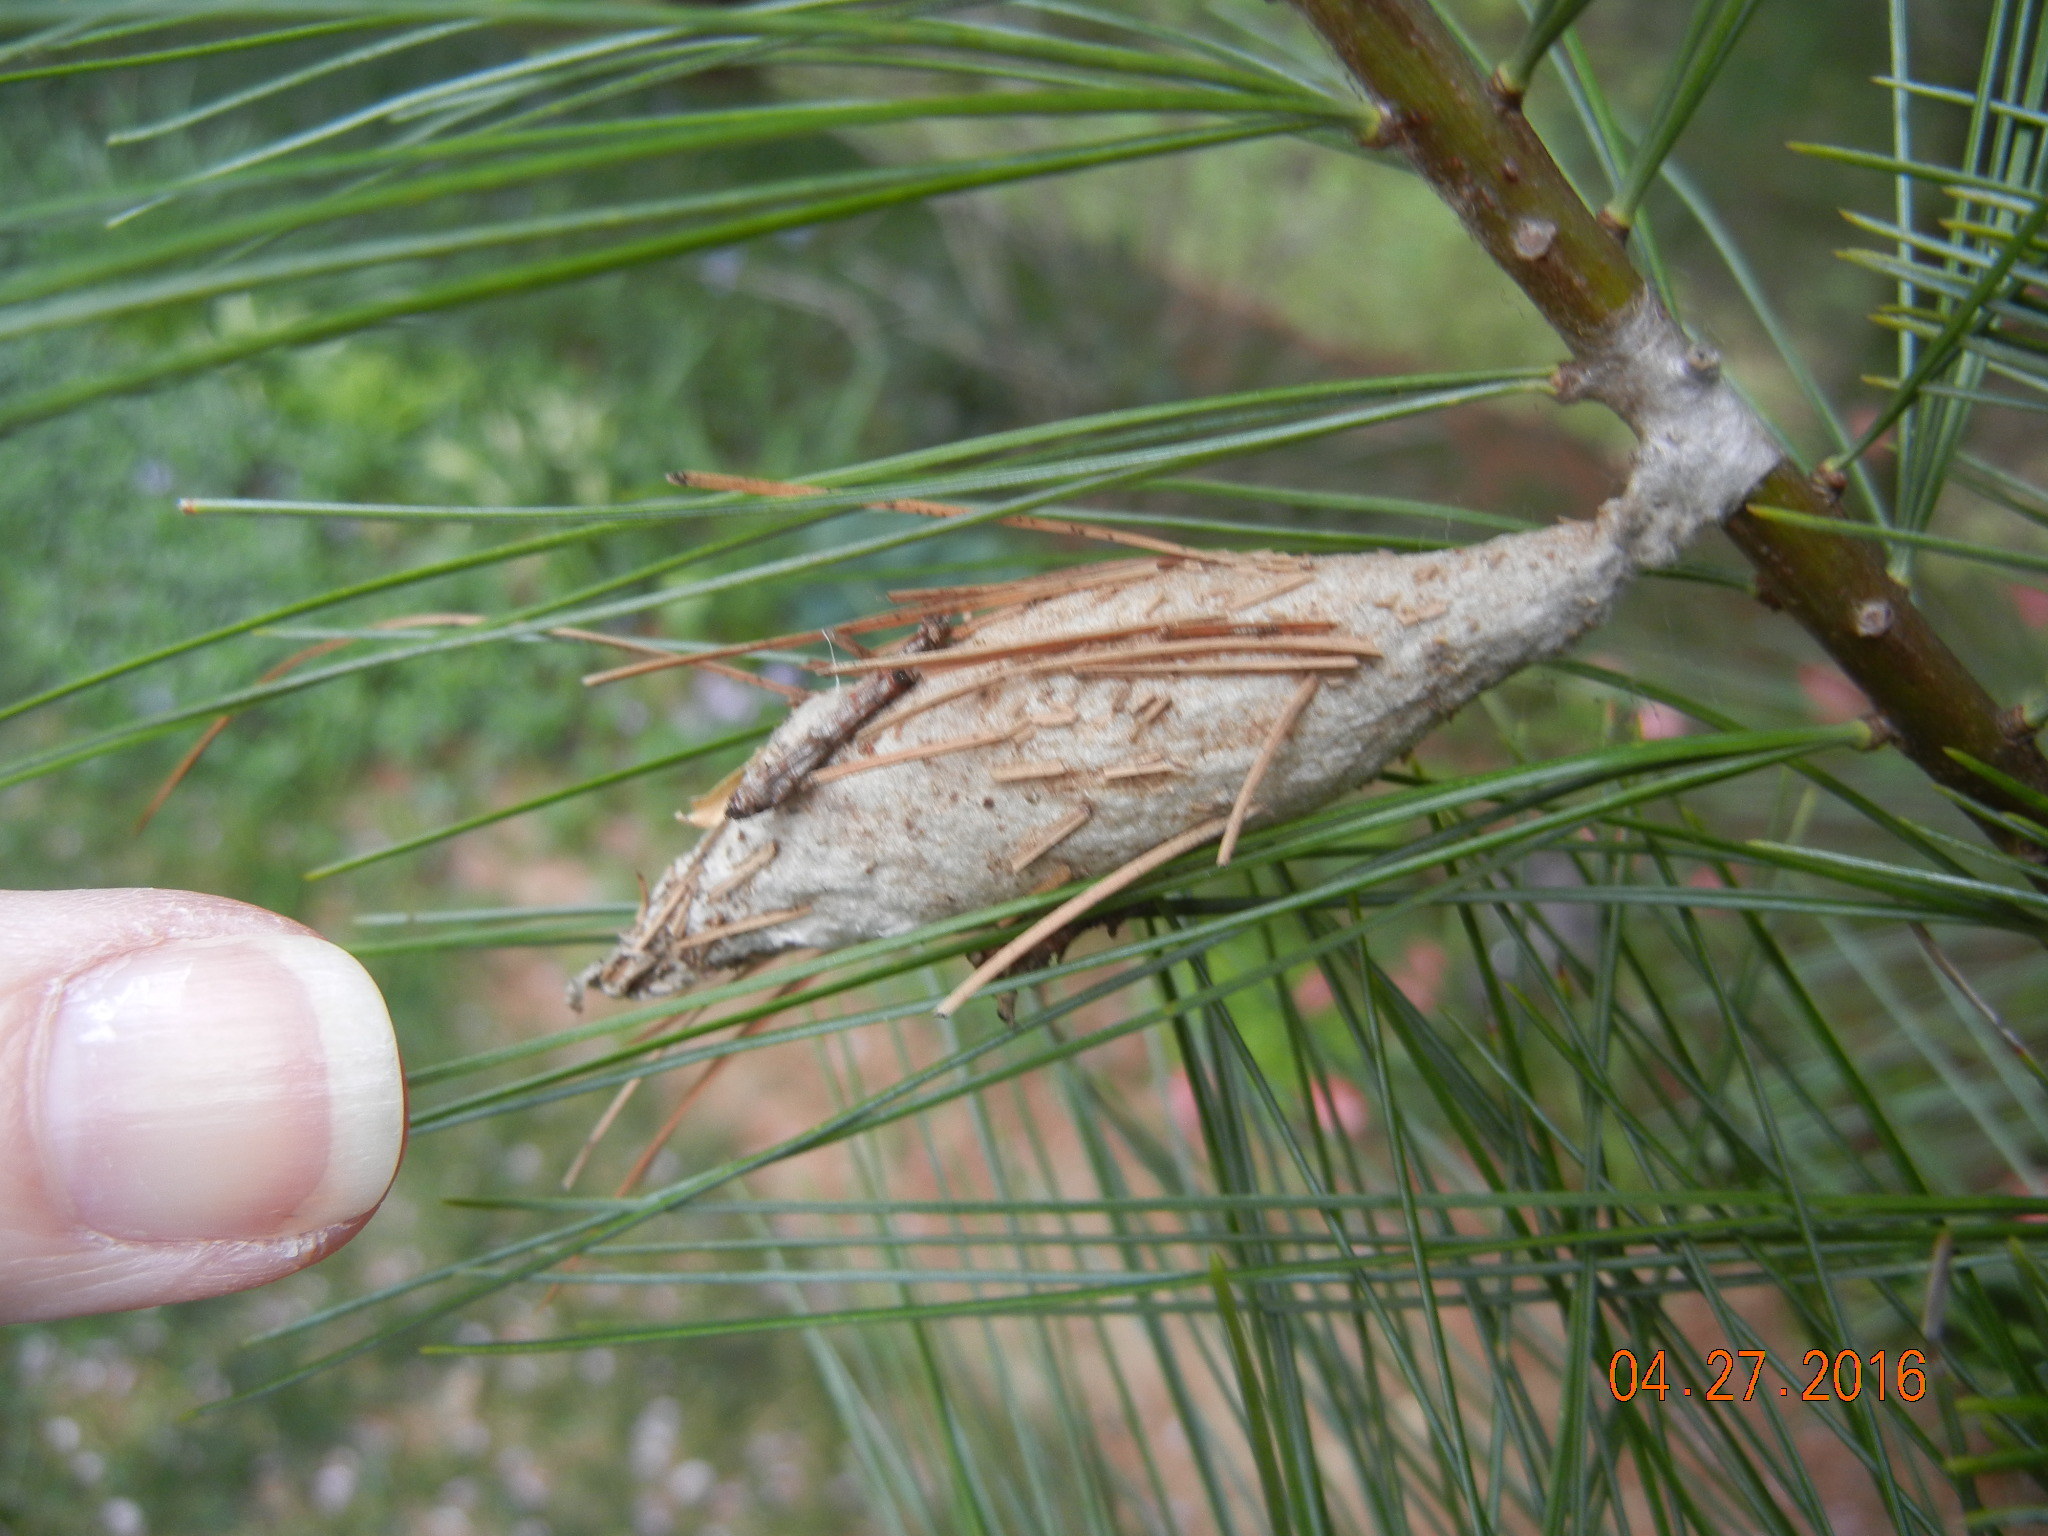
(235, 1088)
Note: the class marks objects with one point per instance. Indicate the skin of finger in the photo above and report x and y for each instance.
(48, 1268)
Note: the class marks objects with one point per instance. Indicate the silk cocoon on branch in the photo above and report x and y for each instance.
(1061, 736)
(1050, 764)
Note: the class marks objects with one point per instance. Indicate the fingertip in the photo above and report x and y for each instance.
(236, 1088)
(203, 1114)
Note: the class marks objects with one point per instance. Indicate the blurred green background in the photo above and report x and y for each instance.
(1263, 264)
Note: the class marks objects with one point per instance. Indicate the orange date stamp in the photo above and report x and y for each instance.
(1842, 1377)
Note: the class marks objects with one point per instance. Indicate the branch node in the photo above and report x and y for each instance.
(1873, 618)
(1388, 131)
(1533, 238)
(1571, 382)
(1703, 362)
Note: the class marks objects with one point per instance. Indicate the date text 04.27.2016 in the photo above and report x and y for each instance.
(1838, 1378)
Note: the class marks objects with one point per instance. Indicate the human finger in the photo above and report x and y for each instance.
(196, 1096)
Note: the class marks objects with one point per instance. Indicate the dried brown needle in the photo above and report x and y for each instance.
(704, 481)
(290, 664)
(1269, 749)
(1068, 911)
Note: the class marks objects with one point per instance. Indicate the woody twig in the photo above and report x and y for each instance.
(1471, 141)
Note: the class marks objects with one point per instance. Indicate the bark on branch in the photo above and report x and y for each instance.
(1700, 443)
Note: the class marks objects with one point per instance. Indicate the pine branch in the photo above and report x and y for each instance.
(1471, 141)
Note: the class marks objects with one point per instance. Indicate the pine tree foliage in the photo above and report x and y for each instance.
(1227, 1218)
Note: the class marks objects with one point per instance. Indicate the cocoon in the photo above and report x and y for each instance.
(1062, 735)
(1105, 718)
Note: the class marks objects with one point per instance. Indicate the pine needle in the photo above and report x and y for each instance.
(703, 480)
(1076, 907)
(1268, 750)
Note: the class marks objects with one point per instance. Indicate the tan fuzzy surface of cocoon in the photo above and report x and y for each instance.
(868, 854)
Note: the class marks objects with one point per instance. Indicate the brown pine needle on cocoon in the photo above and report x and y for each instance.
(1200, 636)
(1268, 750)
(675, 901)
(841, 770)
(1018, 773)
(744, 925)
(1114, 668)
(663, 909)
(1148, 768)
(761, 858)
(1044, 843)
(1279, 588)
(1068, 911)
(1157, 705)
(1136, 661)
